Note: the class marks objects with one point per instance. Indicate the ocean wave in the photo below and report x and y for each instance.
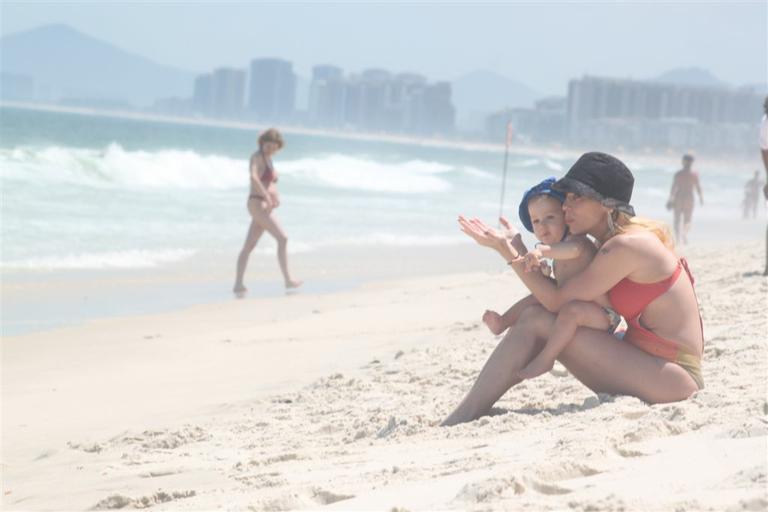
(528, 162)
(354, 173)
(114, 166)
(137, 258)
(553, 166)
(542, 163)
(477, 173)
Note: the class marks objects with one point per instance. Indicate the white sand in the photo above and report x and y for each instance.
(333, 401)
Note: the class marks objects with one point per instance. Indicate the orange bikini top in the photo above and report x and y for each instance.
(630, 298)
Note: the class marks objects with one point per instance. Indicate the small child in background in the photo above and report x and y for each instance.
(541, 212)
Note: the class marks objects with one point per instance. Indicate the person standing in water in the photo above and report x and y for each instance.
(262, 201)
(752, 196)
(764, 155)
(681, 198)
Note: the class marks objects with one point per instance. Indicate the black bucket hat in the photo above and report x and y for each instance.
(601, 177)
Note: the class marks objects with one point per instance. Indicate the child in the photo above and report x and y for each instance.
(541, 211)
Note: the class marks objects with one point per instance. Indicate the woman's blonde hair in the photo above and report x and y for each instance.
(624, 223)
(271, 135)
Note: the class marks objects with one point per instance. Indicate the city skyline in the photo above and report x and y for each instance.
(376, 99)
(518, 41)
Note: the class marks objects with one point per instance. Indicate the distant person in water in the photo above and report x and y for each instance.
(262, 201)
(752, 196)
(681, 198)
(764, 155)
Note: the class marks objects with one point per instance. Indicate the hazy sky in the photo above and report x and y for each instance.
(542, 44)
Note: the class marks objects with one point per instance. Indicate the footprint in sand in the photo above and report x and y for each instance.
(324, 497)
(309, 499)
(629, 452)
(120, 501)
(46, 454)
(565, 471)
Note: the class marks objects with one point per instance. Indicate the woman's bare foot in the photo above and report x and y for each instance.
(494, 321)
(291, 284)
(539, 366)
(239, 291)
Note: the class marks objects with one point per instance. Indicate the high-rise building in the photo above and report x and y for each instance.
(272, 90)
(353, 100)
(228, 92)
(327, 72)
(642, 114)
(327, 97)
(219, 94)
(374, 99)
(202, 98)
(439, 114)
(545, 123)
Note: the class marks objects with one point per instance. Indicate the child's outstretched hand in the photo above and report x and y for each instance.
(510, 231)
(533, 260)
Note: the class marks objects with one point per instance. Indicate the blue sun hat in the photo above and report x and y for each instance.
(542, 189)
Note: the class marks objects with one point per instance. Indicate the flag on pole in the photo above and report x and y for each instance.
(508, 142)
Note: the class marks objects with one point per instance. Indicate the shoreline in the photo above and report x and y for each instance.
(653, 157)
(40, 300)
(69, 298)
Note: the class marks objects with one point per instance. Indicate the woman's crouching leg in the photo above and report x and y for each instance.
(499, 374)
(606, 364)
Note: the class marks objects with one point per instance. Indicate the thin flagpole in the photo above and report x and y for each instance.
(508, 140)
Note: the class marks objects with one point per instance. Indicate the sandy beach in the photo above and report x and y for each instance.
(332, 401)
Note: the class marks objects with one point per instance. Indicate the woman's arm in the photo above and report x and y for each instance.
(513, 313)
(613, 262)
(273, 194)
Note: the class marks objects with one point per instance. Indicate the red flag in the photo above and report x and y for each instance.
(510, 133)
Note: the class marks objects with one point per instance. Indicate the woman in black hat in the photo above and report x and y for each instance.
(659, 358)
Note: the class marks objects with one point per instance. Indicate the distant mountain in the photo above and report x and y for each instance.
(481, 92)
(690, 76)
(65, 63)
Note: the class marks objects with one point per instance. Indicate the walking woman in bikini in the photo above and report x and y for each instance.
(262, 201)
(659, 358)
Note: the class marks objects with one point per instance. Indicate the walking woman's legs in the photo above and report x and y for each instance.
(254, 233)
(765, 272)
(676, 222)
(518, 347)
(268, 222)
